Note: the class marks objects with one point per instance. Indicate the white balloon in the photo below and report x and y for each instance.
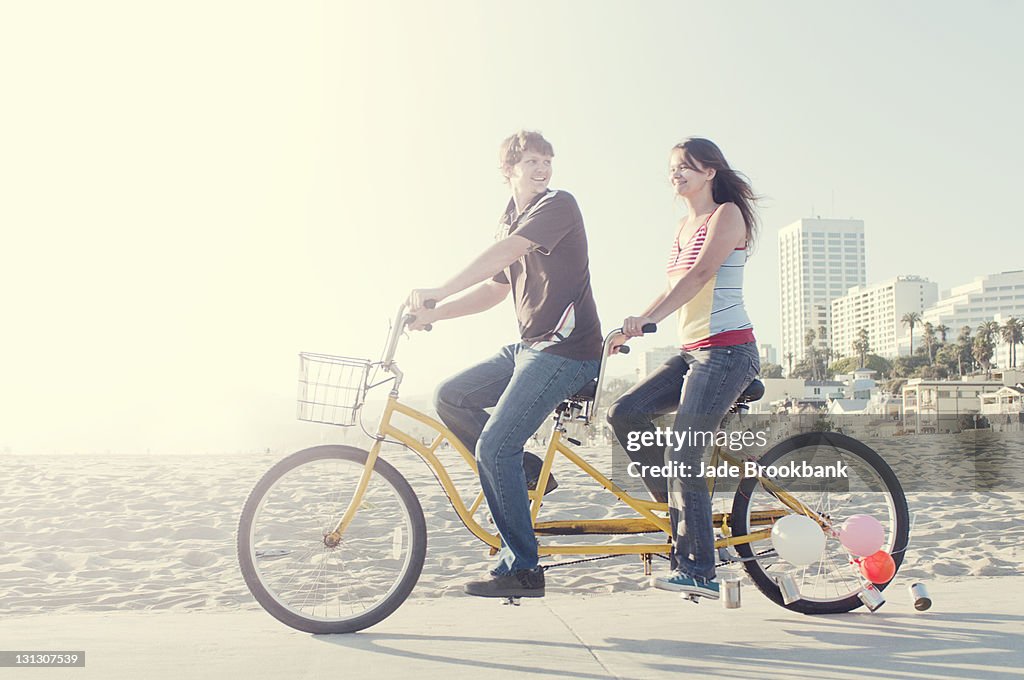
(798, 539)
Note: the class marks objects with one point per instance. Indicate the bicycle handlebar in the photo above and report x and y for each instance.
(646, 328)
(397, 328)
(623, 349)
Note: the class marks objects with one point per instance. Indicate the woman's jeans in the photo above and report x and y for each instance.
(524, 386)
(714, 379)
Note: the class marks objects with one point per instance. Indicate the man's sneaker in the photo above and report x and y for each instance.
(680, 582)
(524, 583)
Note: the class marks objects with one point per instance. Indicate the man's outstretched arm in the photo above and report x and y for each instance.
(487, 264)
(479, 299)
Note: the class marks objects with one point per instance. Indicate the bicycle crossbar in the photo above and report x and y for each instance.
(596, 526)
(617, 549)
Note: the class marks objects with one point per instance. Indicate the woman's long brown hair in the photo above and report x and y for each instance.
(728, 185)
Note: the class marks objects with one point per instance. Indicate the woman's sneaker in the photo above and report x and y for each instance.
(680, 582)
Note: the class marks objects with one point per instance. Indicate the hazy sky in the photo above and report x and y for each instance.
(194, 192)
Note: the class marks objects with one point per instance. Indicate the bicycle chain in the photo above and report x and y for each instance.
(605, 557)
(588, 559)
(722, 564)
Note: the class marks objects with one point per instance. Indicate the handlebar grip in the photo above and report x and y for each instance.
(430, 304)
(650, 328)
(623, 349)
(411, 318)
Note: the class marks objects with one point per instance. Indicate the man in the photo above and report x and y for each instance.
(541, 255)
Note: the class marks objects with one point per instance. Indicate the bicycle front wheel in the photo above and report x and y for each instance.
(831, 585)
(291, 569)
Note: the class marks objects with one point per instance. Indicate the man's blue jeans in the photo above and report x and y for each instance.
(701, 386)
(524, 386)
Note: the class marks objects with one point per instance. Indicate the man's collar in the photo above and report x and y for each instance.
(510, 211)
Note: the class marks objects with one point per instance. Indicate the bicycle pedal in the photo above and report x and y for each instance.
(514, 601)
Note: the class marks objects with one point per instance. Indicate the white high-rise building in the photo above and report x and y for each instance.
(879, 309)
(819, 260)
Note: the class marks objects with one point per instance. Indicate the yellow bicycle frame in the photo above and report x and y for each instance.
(648, 519)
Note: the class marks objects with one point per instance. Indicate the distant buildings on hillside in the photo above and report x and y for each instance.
(879, 309)
(995, 297)
(823, 288)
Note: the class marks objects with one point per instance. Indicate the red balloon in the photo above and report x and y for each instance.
(878, 568)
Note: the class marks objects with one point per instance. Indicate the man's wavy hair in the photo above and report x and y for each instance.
(512, 149)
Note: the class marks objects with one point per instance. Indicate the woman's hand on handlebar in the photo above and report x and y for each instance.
(617, 341)
(632, 326)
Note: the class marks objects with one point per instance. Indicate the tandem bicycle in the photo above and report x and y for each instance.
(332, 539)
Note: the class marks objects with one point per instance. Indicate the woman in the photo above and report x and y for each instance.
(718, 358)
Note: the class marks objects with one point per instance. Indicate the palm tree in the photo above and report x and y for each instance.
(947, 358)
(810, 355)
(826, 349)
(911, 319)
(1012, 333)
(942, 329)
(861, 346)
(989, 330)
(929, 339)
(964, 343)
(983, 350)
(789, 360)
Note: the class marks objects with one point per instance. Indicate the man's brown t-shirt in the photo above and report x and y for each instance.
(551, 283)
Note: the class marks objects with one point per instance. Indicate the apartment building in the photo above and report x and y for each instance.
(879, 309)
(995, 297)
(819, 261)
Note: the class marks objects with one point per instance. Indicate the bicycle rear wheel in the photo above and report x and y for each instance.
(316, 588)
(829, 586)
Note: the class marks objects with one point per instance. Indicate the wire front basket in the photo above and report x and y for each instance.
(331, 389)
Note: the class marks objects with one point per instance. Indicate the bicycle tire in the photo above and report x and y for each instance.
(387, 487)
(898, 529)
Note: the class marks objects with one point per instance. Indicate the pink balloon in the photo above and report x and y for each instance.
(862, 535)
(878, 568)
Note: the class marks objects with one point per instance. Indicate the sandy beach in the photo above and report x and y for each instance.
(95, 547)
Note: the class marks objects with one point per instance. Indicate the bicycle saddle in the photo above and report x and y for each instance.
(754, 391)
(586, 393)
